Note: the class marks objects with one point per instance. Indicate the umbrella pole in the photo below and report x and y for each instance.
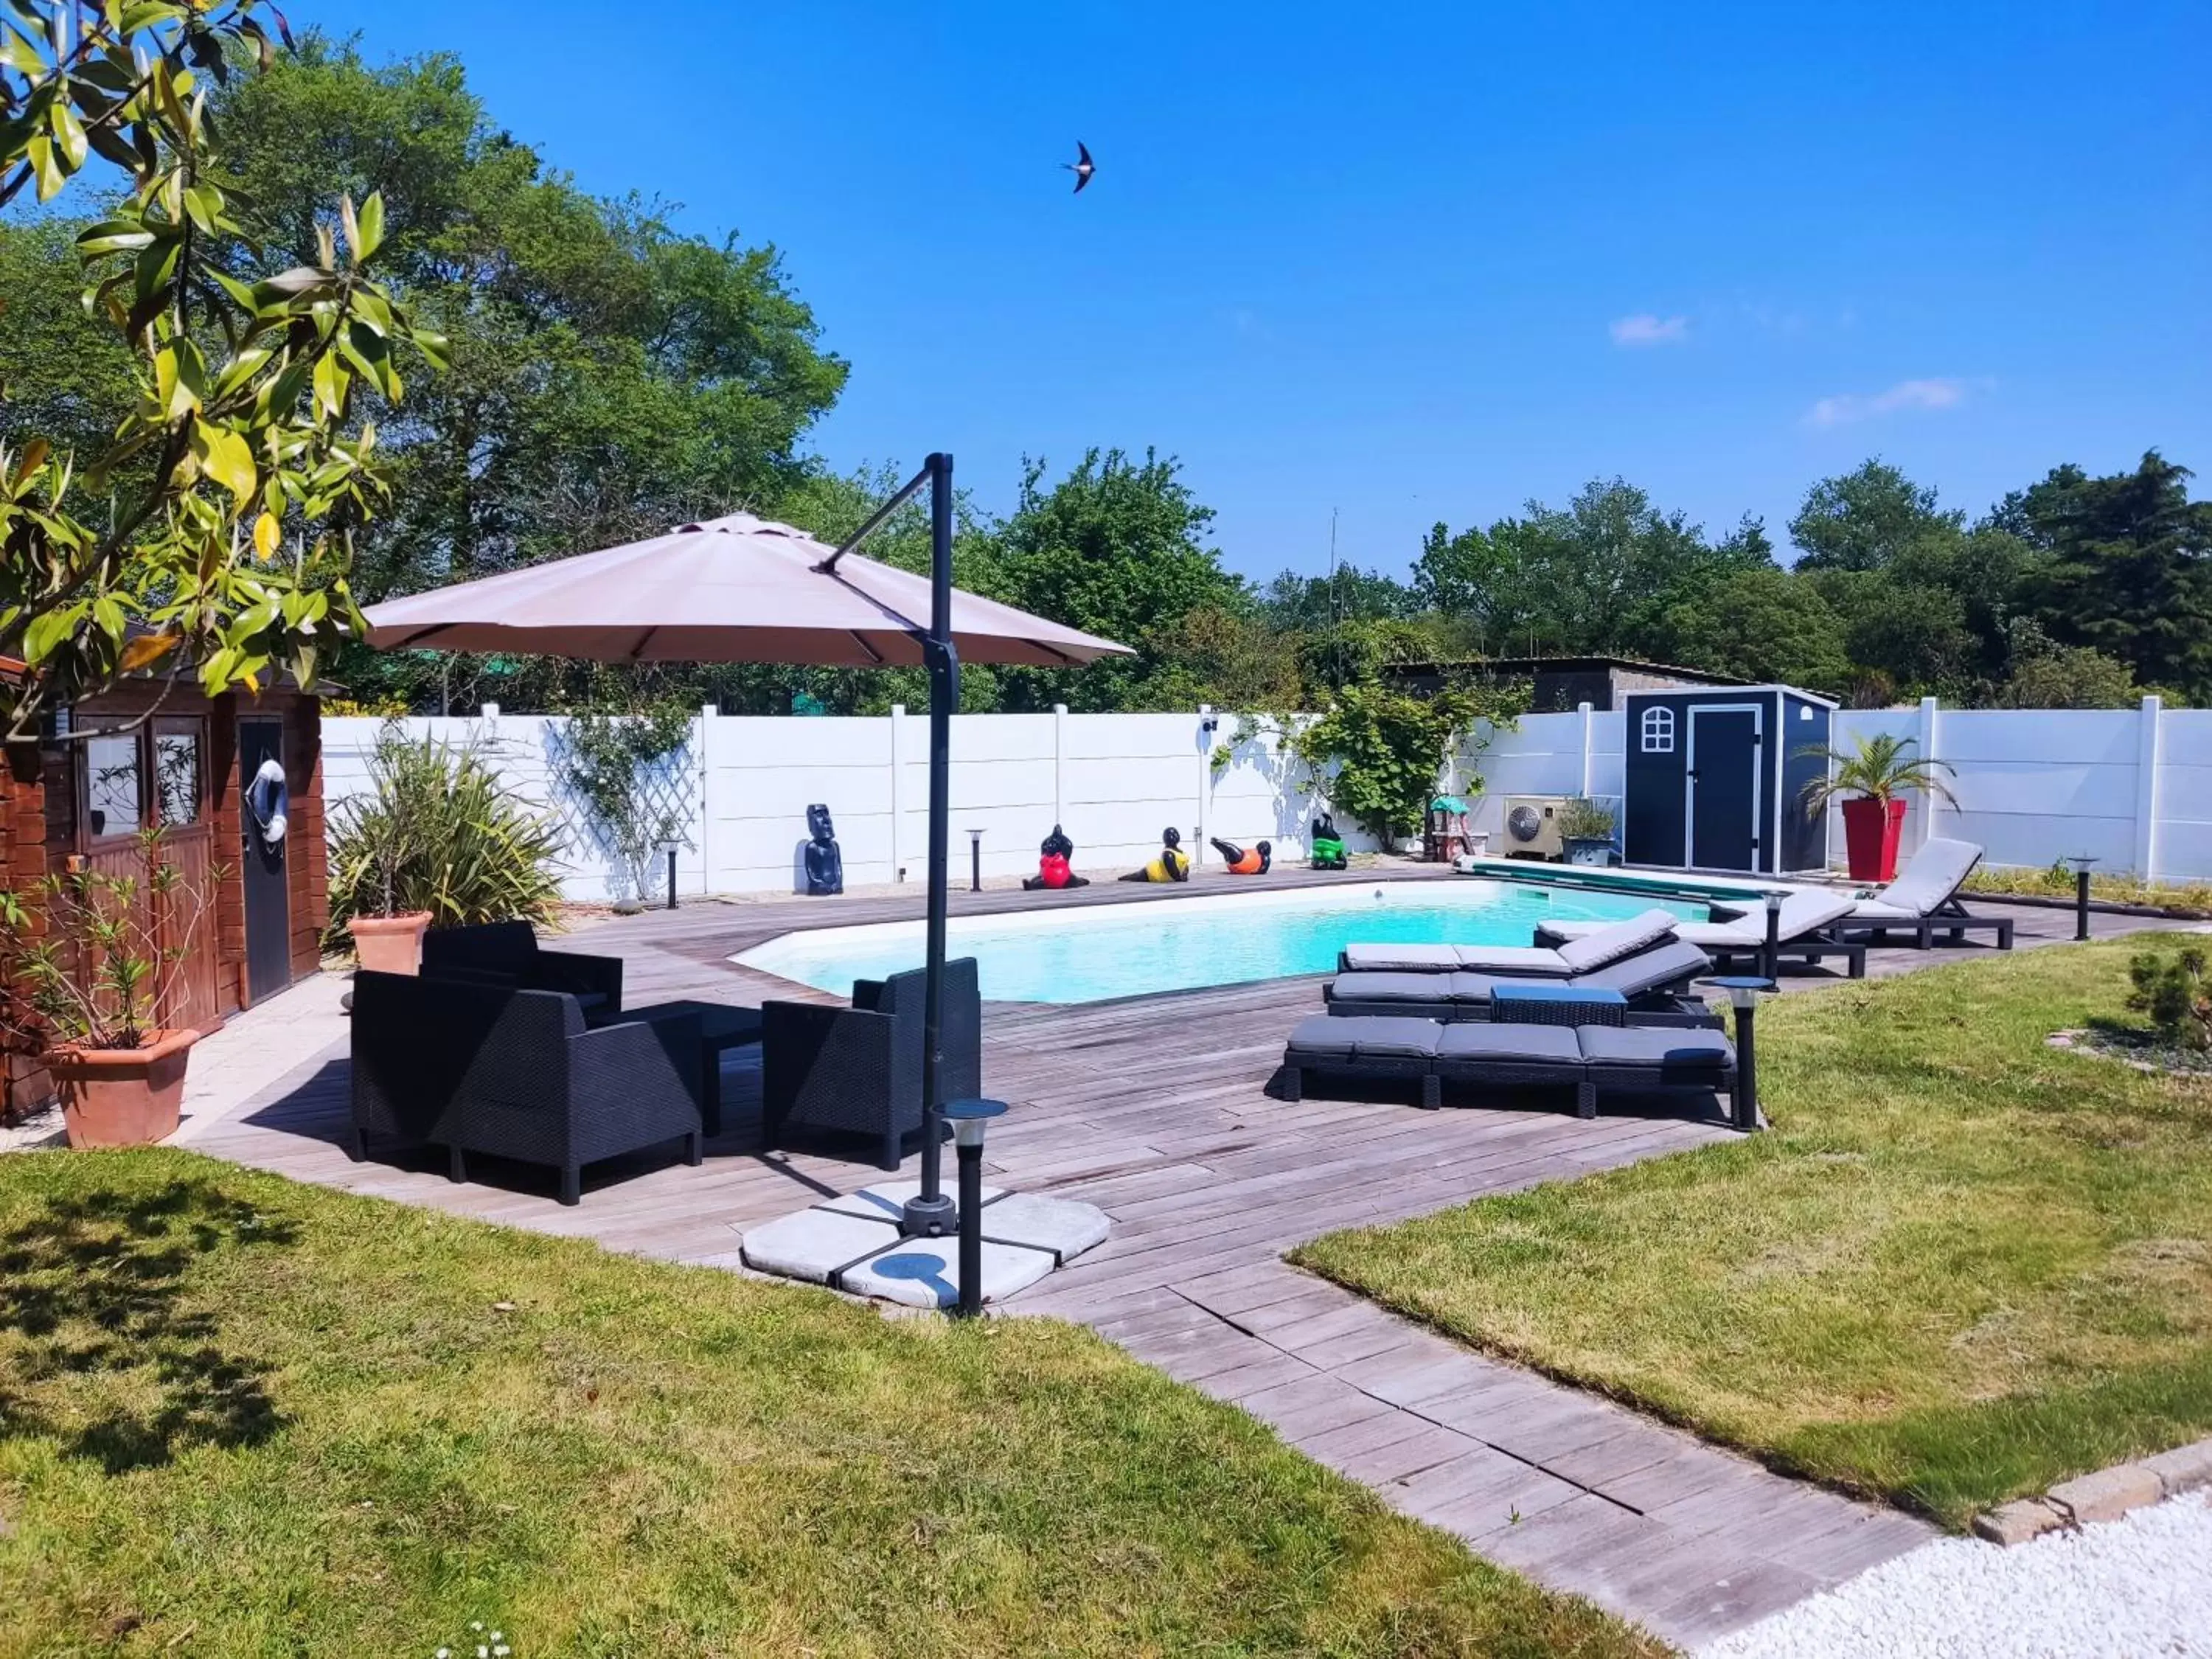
(933, 1211)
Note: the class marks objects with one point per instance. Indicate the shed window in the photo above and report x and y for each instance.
(112, 785)
(1659, 731)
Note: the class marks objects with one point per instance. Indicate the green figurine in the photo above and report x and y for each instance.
(1327, 846)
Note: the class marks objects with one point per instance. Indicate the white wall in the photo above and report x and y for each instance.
(2133, 787)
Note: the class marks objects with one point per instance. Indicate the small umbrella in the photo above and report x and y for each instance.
(742, 589)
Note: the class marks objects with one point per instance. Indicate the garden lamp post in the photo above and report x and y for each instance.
(1770, 956)
(975, 861)
(1743, 994)
(969, 1119)
(2081, 862)
(668, 848)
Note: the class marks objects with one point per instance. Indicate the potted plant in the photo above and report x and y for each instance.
(437, 839)
(92, 963)
(1873, 780)
(1586, 832)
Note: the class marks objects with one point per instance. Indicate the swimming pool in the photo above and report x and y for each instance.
(1087, 954)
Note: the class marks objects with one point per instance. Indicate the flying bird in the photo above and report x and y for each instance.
(1082, 167)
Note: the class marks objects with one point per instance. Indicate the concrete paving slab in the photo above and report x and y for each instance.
(1065, 1226)
(813, 1244)
(925, 1272)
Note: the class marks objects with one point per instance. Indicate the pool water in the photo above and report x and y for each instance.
(1091, 954)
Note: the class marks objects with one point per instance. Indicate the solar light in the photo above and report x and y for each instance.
(1743, 994)
(1770, 959)
(975, 861)
(2081, 862)
(969, 1119)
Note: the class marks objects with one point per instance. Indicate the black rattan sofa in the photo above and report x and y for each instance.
(859, 1069)
(507, 954)
(516, 1073)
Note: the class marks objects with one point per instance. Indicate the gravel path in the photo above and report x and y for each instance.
(2139, 1587)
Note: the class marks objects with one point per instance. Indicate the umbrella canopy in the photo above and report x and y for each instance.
(736, 589)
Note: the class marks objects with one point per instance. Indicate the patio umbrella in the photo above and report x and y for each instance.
(742, 589)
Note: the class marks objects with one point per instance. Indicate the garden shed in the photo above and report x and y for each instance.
(1715, 778)
(188, 765)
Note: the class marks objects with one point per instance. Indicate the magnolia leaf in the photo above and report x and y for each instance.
(350, 226)
(330, 382)
(109, 615)
(369, 232)
(147, 650)
(268, 537)
(227, 457)
(114, 236)
(434, 348)
(303, 667)
(40, 153)
(33, 457)
(69, 134)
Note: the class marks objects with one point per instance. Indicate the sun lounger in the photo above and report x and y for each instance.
(1588, 1059)
(1923, 901)
(1599, 943)
(1653, 980)
(1801, 930)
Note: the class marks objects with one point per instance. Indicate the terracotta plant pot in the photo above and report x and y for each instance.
(1871, 830)
(123, 1097)
(390, 944)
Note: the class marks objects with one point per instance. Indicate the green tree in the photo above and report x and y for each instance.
(1117, 549)
(2046, 675)
(168, 545)
(2130, 570)
(1763, 623)
(1866, 519)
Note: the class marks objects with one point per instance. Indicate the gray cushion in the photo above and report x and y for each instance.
(1467, 987)
(1355, 1038)
(1623, 939)
(1649, 970)
(1662, 1048)
(1390, 987)
(1480, 1040)
(1400, 958)
(1523, 959)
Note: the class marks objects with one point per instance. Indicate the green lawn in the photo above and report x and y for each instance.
(240, 1417)
(1962, 1266)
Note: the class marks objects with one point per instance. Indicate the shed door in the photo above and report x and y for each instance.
(1724, 789)
(261, 867)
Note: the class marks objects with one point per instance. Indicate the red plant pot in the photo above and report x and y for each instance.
(123, 1097)
(1871, 830)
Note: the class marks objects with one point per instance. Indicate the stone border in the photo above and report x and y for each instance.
(2104, 1496)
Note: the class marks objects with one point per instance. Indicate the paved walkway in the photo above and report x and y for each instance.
(1157, 1110)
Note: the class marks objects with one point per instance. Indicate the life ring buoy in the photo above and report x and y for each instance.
(269, 801)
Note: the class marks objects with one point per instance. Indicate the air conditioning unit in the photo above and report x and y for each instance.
(1532, 827)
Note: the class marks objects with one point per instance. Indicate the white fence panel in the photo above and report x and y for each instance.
(2133, 787)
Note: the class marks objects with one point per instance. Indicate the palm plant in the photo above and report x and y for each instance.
(439, 829)
(1878, 769)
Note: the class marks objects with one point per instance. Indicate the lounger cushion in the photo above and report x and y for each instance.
(1530, 1044)
(1621, 940)
(1523, 961)
(1666, 1051)
(1320, 1037)
(1935, 873)
(1390, 987)
(1400, 958)
(1805, 910)
(1649, 970)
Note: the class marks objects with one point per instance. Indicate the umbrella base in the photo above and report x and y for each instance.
(930, 1218)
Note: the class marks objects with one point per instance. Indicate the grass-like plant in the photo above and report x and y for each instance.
(2174, 990)
(439, 828)
(1877, 768)
(1583, 819)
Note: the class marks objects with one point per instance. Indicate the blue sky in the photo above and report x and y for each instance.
(1425, 262)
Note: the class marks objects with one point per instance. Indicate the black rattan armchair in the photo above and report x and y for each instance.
(859, 1069)
(506, 954)
(476, 1068)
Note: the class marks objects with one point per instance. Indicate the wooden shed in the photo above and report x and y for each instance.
(76, 800)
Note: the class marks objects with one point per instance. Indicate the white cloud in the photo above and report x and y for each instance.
(1644, 329)
(1906, 394)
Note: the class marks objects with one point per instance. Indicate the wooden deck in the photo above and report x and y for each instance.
(1155, 1110)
